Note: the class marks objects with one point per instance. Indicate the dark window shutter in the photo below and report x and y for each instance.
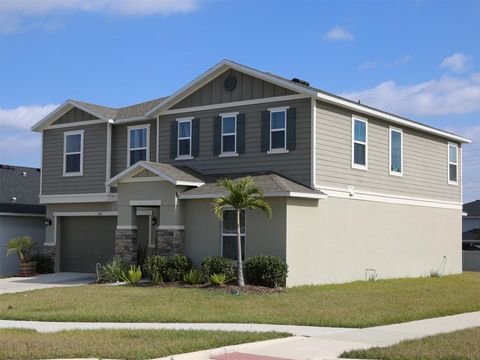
(291, 128)
(217, 136)
(173, 139)
(265, 131)
(240, 133)
(195, 137)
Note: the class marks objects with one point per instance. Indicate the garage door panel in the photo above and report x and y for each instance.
(86, 241)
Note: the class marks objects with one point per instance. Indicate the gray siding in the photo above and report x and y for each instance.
(94, 162)
(425, 158)
(247, 88)
(119, 144)
(294, 165)
(74, 115)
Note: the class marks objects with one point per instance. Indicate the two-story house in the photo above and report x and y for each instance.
(356, 192)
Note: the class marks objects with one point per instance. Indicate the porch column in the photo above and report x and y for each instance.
(126, 235)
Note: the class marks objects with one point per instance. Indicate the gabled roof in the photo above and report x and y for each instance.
(472, 208)
(176, 174)
(155, 107)
(271, 183)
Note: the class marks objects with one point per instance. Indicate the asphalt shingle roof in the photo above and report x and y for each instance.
(177, 172)
(472, 208)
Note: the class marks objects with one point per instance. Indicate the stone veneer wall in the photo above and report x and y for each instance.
(126, 245)
(170, 241)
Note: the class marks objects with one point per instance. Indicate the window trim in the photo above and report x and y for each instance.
(189, 156)
(228, 153)
(278, 150)
(449, 162)
(392, 129)
(65, 134)
(353, 164)
(134, 127)
(226, 208)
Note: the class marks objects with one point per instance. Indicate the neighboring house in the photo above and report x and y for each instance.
(354, 190)
(471, 236)
(20, 211)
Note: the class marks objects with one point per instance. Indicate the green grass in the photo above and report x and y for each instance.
(458, 345)
(358, 304)
(117, 344)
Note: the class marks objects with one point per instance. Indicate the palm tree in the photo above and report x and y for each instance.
(243, 194)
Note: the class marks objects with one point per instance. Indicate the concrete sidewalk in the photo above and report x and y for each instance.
(309, 342)
(20, 284)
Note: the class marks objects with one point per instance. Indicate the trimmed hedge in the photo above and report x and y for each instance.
(218, 265)
(45, 263)
(269, 271)
(167, 268)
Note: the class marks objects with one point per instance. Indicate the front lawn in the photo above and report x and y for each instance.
(457, 345)
(117, 344)
(358, 304)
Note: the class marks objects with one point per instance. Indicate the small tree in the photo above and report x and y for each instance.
(23, 246)
(243, 194)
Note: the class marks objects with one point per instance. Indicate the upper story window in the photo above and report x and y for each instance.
(138, 143)
(229, 233)
(73, 153)
(396, 151)
(452, 164)
(278, 129)
(359, 143)
(184, 138)
(229, 133)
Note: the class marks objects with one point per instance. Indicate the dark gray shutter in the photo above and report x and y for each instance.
(265, 131)
(291, 128)
(173, 139)
(240, 133)
(217, 136)
(195, 137)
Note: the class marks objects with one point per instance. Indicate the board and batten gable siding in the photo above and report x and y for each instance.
(294, 164)
(94, 161)
(120, 140)
(247, 88)
(74, 115)
(425, 158)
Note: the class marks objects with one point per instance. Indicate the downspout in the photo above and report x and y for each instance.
(109, 154)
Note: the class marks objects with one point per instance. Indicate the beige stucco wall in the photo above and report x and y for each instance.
(337, 240)
(263, 235)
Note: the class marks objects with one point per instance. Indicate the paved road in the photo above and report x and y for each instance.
(20, 284)
(309, 342)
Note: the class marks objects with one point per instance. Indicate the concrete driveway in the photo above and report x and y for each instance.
(20, 284)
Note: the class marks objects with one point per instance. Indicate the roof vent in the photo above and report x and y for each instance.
(300, 81)
(24, 173)
(14, 199)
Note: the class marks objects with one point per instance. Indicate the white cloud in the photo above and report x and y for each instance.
(447, 95)
(14, 12)
(23, 117)
(457, 62)
(339, 33)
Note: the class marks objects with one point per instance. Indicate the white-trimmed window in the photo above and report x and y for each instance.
(184, 138)
(229, 134)
(138, 144)
(396, 151)
(278, 130)
(359, 143)
(229, 233)
(452, 164)
(73, 153)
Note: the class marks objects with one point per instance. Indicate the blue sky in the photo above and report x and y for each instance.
(420, 59)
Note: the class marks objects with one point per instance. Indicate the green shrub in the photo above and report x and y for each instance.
(192, 277)
(114, 271)
(218, 279)
(134, 275)
(270, 271)
(45, 263)
(176, 266)
(154, 268)
(218, 265)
